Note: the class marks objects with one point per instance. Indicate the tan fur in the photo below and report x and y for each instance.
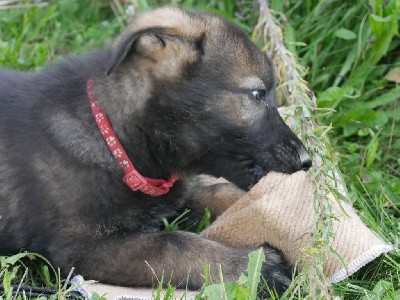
(216, 197)
(171, 18)
(164, 62)
(178, 22)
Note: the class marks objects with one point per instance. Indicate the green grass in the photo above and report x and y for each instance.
(348, 48)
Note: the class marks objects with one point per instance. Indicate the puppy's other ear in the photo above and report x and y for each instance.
(149, 42)
(123, 45)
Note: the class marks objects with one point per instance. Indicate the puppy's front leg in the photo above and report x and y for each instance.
(215, 194)
(137, 259)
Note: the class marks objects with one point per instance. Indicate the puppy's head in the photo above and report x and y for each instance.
(202, 90)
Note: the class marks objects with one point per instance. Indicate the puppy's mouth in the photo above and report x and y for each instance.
(249, 173)
(255, 173)
(246, 169)
(257, 168)
(258, 171)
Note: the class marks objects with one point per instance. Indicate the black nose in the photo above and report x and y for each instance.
(304, 158)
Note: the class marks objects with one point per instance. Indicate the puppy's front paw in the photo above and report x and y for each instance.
(275, 272)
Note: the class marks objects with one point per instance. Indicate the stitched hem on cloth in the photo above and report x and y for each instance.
(360, 261)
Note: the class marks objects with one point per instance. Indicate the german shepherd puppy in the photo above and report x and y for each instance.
(186, 93)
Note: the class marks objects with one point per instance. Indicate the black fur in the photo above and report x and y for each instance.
(61, 192)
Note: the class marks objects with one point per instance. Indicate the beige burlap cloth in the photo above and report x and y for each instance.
(279, 210)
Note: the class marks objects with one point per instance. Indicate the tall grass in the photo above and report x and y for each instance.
(348, 49)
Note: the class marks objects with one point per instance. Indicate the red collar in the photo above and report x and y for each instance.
(132, 178)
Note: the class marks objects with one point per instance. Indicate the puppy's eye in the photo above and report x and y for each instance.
(260, 95)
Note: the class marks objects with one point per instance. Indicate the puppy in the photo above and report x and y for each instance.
(177, 93)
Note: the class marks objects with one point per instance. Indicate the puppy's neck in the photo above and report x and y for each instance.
(123, 98)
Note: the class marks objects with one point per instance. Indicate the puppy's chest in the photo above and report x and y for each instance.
(142, 215)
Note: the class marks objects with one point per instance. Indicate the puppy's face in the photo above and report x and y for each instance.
(209, 93)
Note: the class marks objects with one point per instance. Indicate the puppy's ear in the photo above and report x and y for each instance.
(147, 42)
